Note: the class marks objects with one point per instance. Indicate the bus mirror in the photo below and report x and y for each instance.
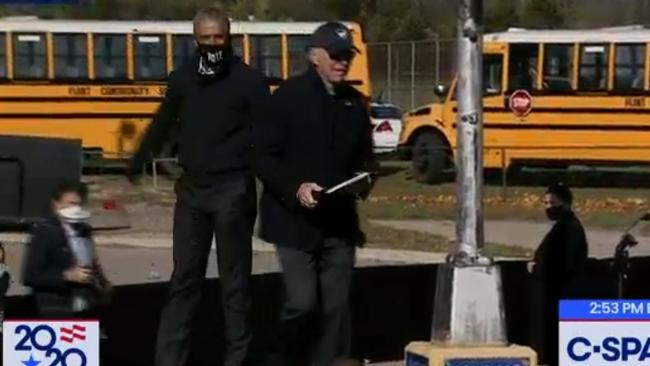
(440, 90)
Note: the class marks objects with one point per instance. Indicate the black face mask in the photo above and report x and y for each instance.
(213, 59)
(555, 213)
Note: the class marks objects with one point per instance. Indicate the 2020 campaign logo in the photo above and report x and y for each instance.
(604, 332)
(50, 343)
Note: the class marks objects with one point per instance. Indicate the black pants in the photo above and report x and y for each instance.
(544, 323)
(226, 210)
(315, 319)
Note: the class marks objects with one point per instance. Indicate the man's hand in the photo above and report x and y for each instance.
(305, 194)
(530, 266)
(78, 274)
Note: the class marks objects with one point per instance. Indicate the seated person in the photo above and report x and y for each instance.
(61, 265)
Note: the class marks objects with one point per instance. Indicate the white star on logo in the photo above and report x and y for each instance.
(342, 33)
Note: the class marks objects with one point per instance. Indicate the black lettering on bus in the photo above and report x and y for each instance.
(79, 90)
(635, 102)
(162, 90)
(121, 91)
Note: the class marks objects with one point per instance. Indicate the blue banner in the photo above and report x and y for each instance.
(591, 310)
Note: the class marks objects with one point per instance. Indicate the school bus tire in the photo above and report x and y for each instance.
(429, 157)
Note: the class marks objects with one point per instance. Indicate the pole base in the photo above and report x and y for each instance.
(429, 354)
(468, 307)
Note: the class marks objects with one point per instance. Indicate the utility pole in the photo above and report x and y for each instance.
(468, 316)
(469, 122)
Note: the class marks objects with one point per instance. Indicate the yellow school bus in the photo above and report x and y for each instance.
(551, 97)
(101, 81)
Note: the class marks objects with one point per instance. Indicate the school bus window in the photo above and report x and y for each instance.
(29, 56)
(593, 67)
(70, 56)
(558, 67)
(150, 57)
(629, 68)
(3, 57)
(110, 56)
(298, 46)
(522, 69)
(492, 73)
(183, 48)
(266, 55)
(238, 45)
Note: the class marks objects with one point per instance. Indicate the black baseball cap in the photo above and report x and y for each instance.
(334, 37)
(561, 191)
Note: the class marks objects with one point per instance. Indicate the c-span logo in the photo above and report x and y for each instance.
(604, 332)
(50, 343)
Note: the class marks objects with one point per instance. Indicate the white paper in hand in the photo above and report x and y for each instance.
(357, 182)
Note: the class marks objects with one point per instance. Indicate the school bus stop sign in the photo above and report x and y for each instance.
(521, 102)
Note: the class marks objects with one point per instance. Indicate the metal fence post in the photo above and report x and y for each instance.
(389, 65)
(504, 175)
(154, 171)
(412, 75)
(437, 46)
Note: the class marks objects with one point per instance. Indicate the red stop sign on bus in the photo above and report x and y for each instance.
(521, 102)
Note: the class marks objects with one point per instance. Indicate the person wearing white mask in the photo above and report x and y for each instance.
(61, 265)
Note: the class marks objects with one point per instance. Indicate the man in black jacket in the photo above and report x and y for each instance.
(317, 134)
(214, 98)
(558, 263)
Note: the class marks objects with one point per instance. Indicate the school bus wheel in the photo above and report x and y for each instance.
(429, 157)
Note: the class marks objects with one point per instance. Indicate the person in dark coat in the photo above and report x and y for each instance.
(558, 262)
(61, 265)
(212, 100)
(317, 134)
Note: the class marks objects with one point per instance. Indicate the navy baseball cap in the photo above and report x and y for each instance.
(334, 37)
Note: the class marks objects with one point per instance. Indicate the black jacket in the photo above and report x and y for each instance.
(47, 256)
(310, 136)
(562, 255)
(214, 119)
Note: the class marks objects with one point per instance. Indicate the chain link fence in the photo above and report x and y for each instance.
(405, 73)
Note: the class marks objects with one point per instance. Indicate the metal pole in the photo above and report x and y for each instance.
(437, 59)
(469, 179)
(154, 171)
(389, 65)
(504, 176)
(468, 305)
(412, 75)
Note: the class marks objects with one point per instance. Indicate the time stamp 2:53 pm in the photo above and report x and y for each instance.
(619, 307)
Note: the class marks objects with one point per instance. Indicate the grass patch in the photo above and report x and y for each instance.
(398, 197)
(379, 236)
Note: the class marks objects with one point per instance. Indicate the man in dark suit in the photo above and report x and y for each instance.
(212, 100)
(317, 134)
(558, 263)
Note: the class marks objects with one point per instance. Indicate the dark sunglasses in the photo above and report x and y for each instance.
(343, 56)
